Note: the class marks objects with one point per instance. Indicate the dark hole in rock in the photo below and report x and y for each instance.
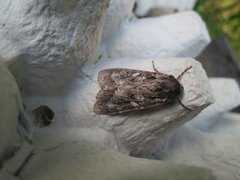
(42, 116)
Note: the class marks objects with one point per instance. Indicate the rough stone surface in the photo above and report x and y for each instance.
(227, 94)
(178, 35)
(70, 157)
(143, 6)
(219, 153)
(45, 42)
(136, 134)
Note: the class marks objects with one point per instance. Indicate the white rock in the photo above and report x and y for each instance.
(70, 157)
(216, 152)
(227, 125)
(9, 111)
(143, 6)
(119, 11)
(227, 95)
(178, 35)
(14, 126)
(139, 134)
(45, 42)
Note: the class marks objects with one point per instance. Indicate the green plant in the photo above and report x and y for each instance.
(222, 18)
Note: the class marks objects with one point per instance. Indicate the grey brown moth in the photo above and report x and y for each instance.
(125, 90)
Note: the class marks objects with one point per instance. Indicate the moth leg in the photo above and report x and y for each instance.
(179, 77)
(183, 104)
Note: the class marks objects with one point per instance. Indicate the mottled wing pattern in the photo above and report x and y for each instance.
(124, 90)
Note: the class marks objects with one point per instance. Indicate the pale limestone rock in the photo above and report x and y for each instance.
(228, 124)
(46, 42)
(137, 134)
(15, 128)
(119, 11)
(10, 107)
(220, 153)
(178, 35)
(227, 94)
(70, 157)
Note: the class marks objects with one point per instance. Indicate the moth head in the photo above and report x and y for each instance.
(168, 86)
(174, 86)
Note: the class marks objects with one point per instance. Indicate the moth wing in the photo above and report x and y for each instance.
(118, 92)
(101, 105)
(104, 105)
(105, 78)
(110, 78)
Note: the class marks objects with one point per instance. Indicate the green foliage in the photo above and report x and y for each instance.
(222, 18)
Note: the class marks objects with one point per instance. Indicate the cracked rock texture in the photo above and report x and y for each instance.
(46, 42)
(179, 35)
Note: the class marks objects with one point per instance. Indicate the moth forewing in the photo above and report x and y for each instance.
(125, 90)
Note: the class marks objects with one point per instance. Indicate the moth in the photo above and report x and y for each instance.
(125, 90)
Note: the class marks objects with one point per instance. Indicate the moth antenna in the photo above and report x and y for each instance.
(154, 68)
(184, 72)
(183, 104)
